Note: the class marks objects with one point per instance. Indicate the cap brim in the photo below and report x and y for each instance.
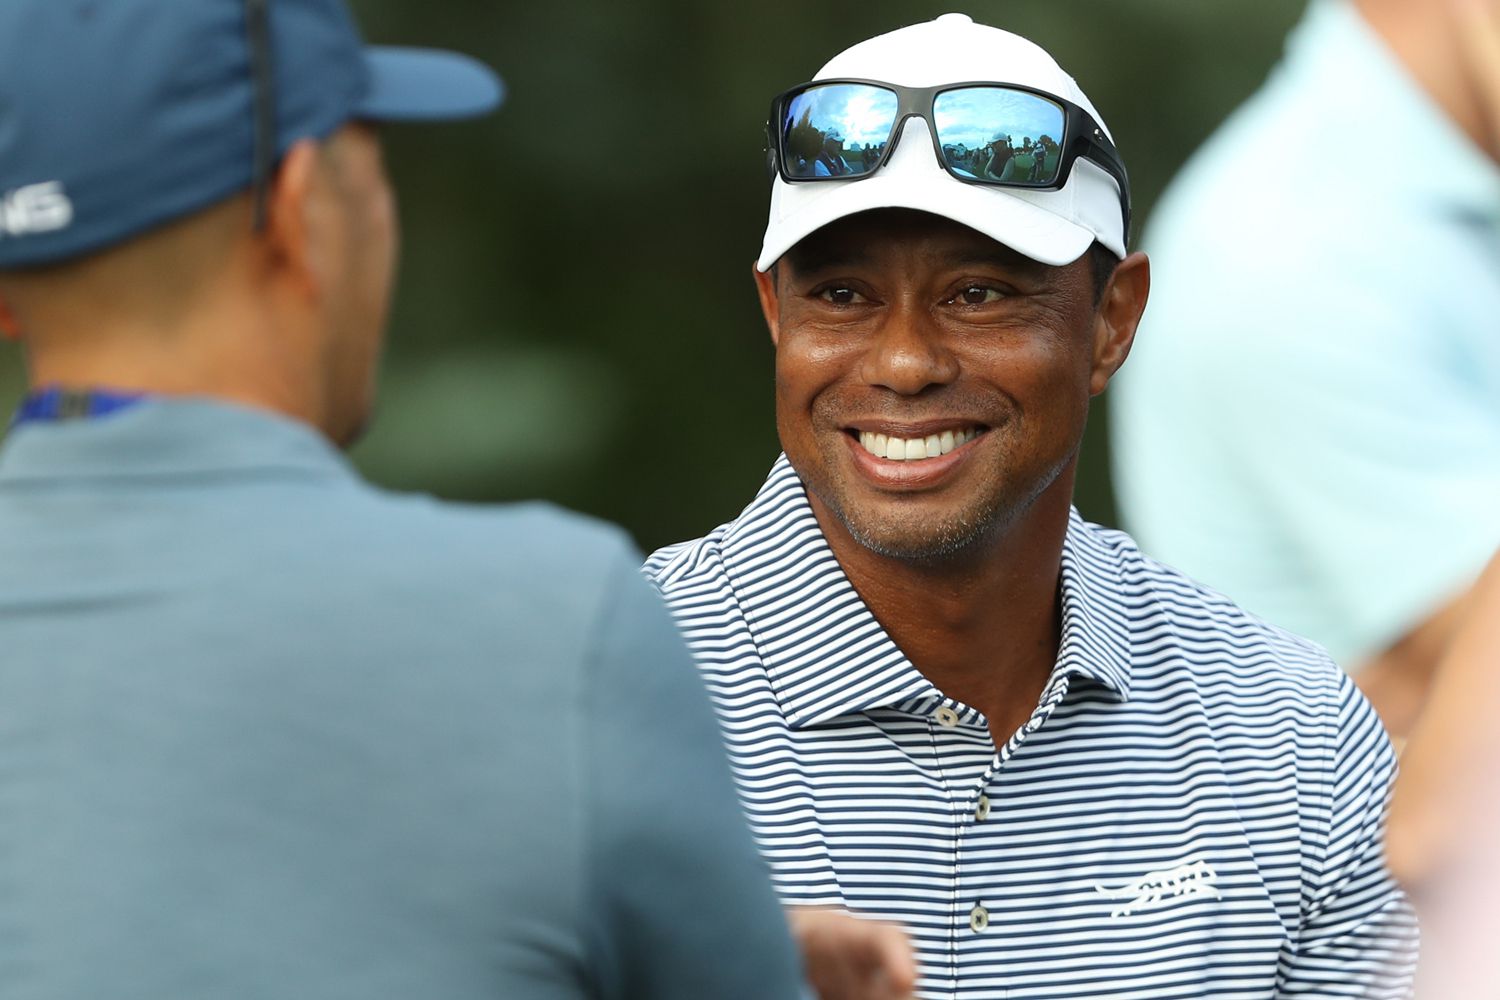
(997, 213)
(408, 84)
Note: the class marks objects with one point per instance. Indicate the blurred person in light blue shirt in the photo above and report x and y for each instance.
(1310, 421)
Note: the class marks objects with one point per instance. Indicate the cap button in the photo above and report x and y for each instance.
(954, 20)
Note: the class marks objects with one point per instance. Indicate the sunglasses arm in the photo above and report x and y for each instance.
(1107, 158)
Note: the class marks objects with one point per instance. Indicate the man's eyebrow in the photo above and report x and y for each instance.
(809, 260)
(806, 260)
(1000, 257)
(813, 261)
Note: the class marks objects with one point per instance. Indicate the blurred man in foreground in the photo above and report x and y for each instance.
(1311, 422)
(268, 731)
(950, 702)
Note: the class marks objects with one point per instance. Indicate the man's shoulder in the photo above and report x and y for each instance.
(682, 565)
(770, 537)
(534, 540)
(1171, 613)
(528, 523)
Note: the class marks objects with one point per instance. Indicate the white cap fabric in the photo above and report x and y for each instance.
(1053, 227)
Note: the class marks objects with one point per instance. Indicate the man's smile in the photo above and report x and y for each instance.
(915, 445)
(915, 455)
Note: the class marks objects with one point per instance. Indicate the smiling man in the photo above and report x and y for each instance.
(951, 703)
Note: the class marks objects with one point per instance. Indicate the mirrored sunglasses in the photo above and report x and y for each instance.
(982, 133)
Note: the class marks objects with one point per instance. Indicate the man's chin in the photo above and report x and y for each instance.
(925, 534)
(953, 543)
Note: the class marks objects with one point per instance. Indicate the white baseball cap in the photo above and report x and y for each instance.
(1053, 227)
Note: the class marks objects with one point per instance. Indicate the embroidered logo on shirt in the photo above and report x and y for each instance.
(1156, 889)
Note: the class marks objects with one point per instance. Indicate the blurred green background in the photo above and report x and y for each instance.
(584, 328)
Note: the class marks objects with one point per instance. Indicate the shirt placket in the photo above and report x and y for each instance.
(952, 725)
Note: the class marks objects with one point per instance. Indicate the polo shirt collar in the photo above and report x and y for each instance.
(827, 656)
(169, 437)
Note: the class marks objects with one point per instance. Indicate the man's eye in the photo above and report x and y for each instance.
(839, 295)
(978, 295)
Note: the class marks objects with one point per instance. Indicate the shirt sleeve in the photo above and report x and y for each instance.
(1358, 934)
(1326, 450)
(679, 901)
(1376, 451)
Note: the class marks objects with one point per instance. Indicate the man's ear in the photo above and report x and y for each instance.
(1119, 313)
(770, 304)
(10, 327)
(296, 219)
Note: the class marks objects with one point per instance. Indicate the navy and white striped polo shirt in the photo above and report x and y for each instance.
(1193, 810)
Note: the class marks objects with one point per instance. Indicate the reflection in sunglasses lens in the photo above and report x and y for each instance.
(995, 134)
(836, 131)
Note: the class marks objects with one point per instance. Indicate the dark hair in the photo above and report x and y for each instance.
(1102, 262)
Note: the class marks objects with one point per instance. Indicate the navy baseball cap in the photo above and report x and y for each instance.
(117, 116)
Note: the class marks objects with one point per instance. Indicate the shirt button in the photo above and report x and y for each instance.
(979, 918)
(983, 812)
(947, 718)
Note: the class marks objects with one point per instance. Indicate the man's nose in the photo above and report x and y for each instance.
(908, 355)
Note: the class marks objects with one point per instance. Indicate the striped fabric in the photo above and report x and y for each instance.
(1193, 810)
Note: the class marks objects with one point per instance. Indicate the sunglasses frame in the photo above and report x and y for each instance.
(1082, 136)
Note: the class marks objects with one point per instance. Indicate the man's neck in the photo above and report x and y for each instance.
(984, 628)
(1423, 36)
(213, 363)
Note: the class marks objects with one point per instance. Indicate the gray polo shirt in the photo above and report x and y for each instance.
(266, 731)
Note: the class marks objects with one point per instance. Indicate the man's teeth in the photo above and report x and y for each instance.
(907, 449)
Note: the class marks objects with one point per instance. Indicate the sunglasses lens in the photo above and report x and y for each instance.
(838, 130)
(995, 134)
